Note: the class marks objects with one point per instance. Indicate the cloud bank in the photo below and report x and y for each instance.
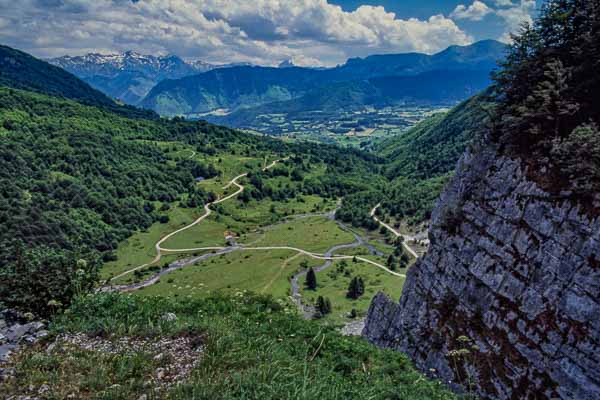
(309, 32)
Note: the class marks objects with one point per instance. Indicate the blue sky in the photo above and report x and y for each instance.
(308, 32)
(405, 8)
(492, 27)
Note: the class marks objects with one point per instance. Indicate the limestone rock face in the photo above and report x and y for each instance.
(506, 302)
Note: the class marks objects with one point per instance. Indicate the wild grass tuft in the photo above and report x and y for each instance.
(253, 348)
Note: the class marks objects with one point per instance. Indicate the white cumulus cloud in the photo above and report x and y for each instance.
(258, 31)
(474, 12)
(512, 14)
(515, 16)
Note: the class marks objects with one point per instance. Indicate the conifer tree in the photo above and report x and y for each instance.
(311, 279)
(320, 306)
(356, 288)
(548, 91)
(361, 287)
(391, 260)
(323, 306)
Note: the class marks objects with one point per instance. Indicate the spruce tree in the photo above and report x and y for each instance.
(356, 288)
(327, 305)
(351, 294)
(391, 260)
(360, 286)
(323, 306)
(311, 280)
(320, 306)
(405, 258)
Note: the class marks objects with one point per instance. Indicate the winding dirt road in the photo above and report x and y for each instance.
(207, 213)
(405, 238)
(328, 257)
(307, 309)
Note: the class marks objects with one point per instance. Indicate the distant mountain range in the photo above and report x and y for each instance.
(378, 92)
(19, 70)
(244, 92)
(130, 76)
(171, 86)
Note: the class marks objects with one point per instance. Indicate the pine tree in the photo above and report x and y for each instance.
(327, 305)
(356, 288)
(311, 280)
(391, 260)
(323, 306)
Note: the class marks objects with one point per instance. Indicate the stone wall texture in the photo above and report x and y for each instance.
(506, 303)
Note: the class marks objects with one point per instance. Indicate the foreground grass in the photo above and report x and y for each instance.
(253, 348)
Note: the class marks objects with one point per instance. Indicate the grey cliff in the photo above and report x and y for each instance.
(506, 303)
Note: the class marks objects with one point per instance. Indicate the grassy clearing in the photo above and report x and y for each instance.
(253, 348)
(316, 234)
(228, 273)
(208, 233)
(334, 281)
(256, 213)
(139, 248)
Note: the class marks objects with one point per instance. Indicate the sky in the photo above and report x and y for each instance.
(264, 32)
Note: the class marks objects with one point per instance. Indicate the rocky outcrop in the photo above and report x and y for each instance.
(506, 302)
(15, 330)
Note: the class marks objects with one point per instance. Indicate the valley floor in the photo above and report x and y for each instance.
(262, 246)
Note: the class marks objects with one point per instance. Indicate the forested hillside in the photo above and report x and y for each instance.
(419, 163)
(19, 70)
(76, 180)
(433, 147)
(549, 91)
